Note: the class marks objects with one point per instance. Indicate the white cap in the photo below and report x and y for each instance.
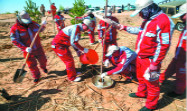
(109, 11)
(24, 16)
(141, 4)
(111, 50)
(88, 12)
(182, 10)
(88, 23)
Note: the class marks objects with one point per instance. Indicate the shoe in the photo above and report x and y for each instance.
(45, 70)
(173, 94)
(133, 95)
(145, 109)
(91, 43)
(77, 79)
(37, 80)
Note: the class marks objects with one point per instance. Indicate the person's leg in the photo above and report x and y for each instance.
(91, 35)
(41, 59)
(32, 64)
(65, 55)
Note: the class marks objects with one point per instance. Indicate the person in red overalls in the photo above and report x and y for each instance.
(53, 9)
(59, 20)
(178, 64)
(111, 34)
(154, 36)
(123, 59)
(22, 33)
(90, 16)
(69, 36)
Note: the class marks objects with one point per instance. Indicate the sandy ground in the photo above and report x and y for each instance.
(56, 93)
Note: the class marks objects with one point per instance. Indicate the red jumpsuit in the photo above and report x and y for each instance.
(110, 35)
(59, 20)
(178, 64)
(69, 36)
(53, 10)
(21, 37)
(124, 64)
(90, 31)
(152, 44)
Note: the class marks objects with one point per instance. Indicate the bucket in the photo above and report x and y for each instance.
(89, 58)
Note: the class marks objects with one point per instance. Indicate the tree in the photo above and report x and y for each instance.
(33, 11)
(78, 10)
(61, 8)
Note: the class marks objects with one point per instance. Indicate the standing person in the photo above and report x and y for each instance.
(53, 9)
(22, 33)
(123, 59)
(89, 15)
(178, 64)
(69, 36)
(42, 10)
(154, 36)
(111, 34)
(59, 20)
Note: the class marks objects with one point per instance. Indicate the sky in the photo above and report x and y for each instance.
(18, 5)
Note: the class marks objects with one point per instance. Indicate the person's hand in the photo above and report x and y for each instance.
(59, 27)
(85, 50)
(106, 63)
(44, 23)
(100, 40)
(151, 76)
(103, 74)
(153, 68)
(28, 49)
(75, 17)
(120, 27)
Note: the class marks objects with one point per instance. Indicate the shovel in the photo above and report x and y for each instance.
(20, 73)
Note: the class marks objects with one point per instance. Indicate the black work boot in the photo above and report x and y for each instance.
(145, 109)
(37, 80)
(45, 70)
(133, 95)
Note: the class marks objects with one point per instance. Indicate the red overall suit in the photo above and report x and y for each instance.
(110, 35)
(53, 10)
(22, 37)
(69, 36)
(152, 44)
(59, 20)
(124, 64)
(178, 64)
(90, 31)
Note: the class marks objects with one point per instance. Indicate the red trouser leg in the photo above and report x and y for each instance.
(128, 71)
(40, 56)
(171, 69)
(91, 35)
(66, 56)
(32, 64)
(180, 77)
(147, 88)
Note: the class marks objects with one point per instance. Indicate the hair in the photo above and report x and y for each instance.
(91, 15)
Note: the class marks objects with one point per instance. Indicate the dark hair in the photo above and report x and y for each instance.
(91, 15)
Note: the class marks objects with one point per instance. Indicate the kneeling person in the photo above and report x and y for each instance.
(123, 59)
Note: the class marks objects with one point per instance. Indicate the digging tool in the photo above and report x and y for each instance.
(20, 73)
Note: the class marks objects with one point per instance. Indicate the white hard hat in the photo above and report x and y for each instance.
(182, 10)
(140, 4)
(24, 17)
(111, 50)
(88, 23)
(88, 12)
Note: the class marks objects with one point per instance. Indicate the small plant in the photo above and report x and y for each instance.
(61, 8)
(78, 10)
(33, 11)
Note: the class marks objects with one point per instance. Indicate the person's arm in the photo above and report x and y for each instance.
(74, 38)
(101, 29)
(15, 38)
(132, 30)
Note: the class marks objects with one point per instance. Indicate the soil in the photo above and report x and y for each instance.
(55, 93)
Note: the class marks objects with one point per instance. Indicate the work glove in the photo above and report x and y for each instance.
(44, 23)
(100, 40)
(104, 74)
(28, 49)
(106, 63)
(64, 19)
(75, 17)
(153, 68)
(151, 76)
(85, 50)
(59, 27)
(120, 27)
